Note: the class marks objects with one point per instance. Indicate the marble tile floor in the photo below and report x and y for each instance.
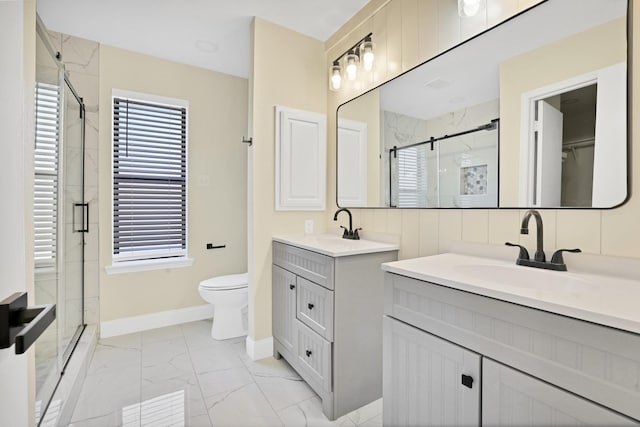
(180, 376)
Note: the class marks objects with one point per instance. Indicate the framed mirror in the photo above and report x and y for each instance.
(530, 113)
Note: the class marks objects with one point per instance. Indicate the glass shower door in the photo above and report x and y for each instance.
(45, 217)
(71, 297)
(60, 218)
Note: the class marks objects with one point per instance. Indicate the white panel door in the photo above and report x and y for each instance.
(352, 163)
(17, 85)
(422, 379)
(511, 398)
(549, 159)
(301, 159)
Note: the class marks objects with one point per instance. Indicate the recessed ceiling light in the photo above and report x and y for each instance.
(206, 46)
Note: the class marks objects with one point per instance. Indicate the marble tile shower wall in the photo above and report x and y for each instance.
(82, 62)
(474, 149)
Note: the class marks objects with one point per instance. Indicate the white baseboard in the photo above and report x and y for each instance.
(259, 349)
(128, 325)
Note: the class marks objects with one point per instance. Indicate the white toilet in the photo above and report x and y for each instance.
(229, 296)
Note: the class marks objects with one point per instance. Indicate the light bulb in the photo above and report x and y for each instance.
(367, 54)
(336, 78)
(468, 8)
(368, 61)
(352, 65)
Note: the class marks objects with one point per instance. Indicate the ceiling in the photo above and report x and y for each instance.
(212, 34)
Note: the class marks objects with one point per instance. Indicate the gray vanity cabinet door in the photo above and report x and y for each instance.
(422, 379)
(512, 398)
(284, 307)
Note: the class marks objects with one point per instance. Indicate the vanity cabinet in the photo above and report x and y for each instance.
(423, 377)
(533, 367)
(283, 289)
(327, 322)
(512, 398)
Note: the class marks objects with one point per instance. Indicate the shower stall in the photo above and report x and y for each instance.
(454, 170)
(60, 217)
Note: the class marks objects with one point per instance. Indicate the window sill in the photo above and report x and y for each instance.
(147, 265)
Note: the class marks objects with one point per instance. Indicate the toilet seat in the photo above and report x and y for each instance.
(225, 283)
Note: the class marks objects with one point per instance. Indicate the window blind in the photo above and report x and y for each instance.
(412, 177)
(46, 174)
(149, 180)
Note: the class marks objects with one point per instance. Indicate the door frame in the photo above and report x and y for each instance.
(528, 129)
(17, 84)
(613, 79)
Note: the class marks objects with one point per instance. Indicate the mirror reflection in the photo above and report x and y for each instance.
(532, 113)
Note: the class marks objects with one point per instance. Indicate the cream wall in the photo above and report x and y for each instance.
(406, 32)
(596, 48)
(287, 69)
(216, 180)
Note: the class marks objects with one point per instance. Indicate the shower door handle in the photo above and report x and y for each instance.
(23, 325)
(84, 227)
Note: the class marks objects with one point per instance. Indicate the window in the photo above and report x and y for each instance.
(149, 178)
(46, 174)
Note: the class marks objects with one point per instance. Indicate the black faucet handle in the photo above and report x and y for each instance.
(557, 258)
(524, 254)
(346, 231)
(356, 236)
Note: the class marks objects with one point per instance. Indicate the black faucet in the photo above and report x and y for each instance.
(524, 229)
(350, 233)
(539, 259)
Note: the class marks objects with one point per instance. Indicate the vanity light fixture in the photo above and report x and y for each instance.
(367, 53)
(352, 65)
(360, 55)
(468, 8)
(336, 76)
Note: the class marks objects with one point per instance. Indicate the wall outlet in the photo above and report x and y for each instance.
(308, 226)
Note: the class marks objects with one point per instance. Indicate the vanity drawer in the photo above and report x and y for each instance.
(315, 307)
(310, 265)
(313, 354)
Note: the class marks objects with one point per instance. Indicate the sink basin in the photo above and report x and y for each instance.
(334, 245)
(602, 298)
(525, 277)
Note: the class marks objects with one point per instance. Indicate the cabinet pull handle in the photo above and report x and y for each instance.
(310, 306)
(309, 353)
(292, 287)
(467, 380)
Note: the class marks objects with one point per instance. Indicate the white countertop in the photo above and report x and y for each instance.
(334, 245)
(604, 299)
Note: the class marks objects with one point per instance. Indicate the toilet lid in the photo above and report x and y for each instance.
(231, 281)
